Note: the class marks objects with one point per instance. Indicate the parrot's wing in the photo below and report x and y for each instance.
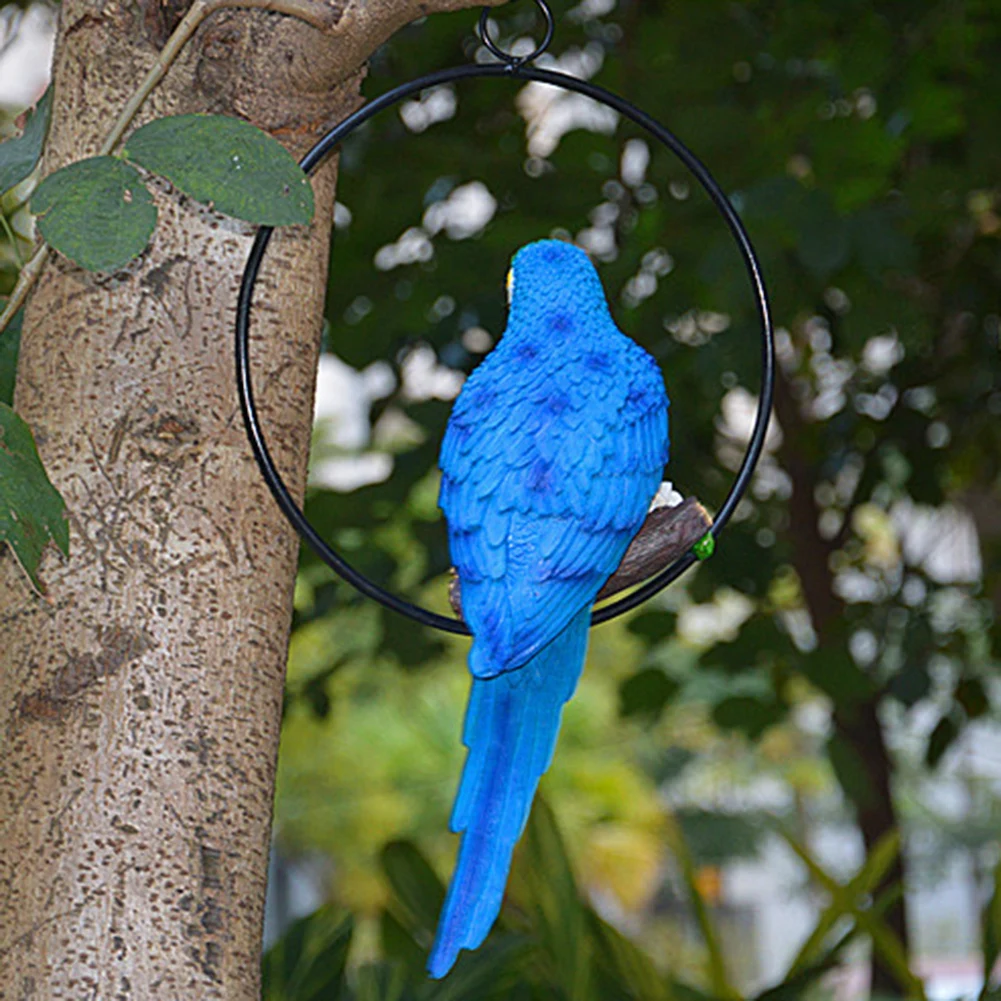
(537, 524)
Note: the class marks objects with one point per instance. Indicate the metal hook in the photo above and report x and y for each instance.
(510, 60)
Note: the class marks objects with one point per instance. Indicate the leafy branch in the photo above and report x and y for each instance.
(304, 10)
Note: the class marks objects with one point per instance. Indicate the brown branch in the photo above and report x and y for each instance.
(813, 552)
(667, 534)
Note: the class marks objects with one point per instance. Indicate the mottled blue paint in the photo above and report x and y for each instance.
(552, 454)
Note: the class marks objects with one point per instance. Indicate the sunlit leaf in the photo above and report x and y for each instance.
(853, 898)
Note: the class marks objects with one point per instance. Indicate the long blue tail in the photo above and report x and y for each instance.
(511, 726)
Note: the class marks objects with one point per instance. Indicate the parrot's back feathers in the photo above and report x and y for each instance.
(542, 505)
(554, 449)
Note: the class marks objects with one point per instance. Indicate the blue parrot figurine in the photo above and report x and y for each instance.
(553, 452)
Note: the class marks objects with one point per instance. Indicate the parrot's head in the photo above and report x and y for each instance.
(552, 276)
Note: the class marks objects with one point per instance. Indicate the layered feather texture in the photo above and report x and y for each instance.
(552, 454)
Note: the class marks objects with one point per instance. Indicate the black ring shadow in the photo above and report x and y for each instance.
(309, 163)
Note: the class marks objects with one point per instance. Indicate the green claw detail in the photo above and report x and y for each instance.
(705, 547)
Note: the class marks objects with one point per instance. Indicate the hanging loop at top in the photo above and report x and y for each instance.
(509, 58)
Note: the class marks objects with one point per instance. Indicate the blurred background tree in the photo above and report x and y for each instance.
(846, 624)
(834, 666)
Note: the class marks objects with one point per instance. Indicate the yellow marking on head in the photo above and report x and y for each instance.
(509, 284)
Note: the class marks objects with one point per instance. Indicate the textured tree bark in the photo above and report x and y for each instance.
(140, 700)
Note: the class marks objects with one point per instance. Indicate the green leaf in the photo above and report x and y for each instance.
(625, 965)
(970, 694)
(548, 891)
(97, 212)
(760, 638)
(228, 164)
(653, 626)
(646, 693)
(31, 510)
(19, 156)
(399, 945)
(308, 962)
(853, 898)
(715, 838)
(412, 644)
(911, 683)
(880, 243)
(718, 976)
(796, 984)
(491, 971)
(377, 982)
(10, 345)
(418, 892)
(832, 670)
(681, 990)
(824, 241)
(941, 739)
(750, 715)
(992, 931)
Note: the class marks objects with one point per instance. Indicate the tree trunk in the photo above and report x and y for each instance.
(140, 700)
(857, 724)
(876, 814)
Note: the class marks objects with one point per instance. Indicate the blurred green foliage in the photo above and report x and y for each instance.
(550, 943)
(857, 142)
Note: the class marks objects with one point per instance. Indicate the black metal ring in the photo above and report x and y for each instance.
(509, 59)
(309, 163)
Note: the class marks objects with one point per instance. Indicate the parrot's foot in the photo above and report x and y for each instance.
(667, 534)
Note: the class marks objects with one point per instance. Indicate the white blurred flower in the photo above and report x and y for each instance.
(437, 104)
(464, 213)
